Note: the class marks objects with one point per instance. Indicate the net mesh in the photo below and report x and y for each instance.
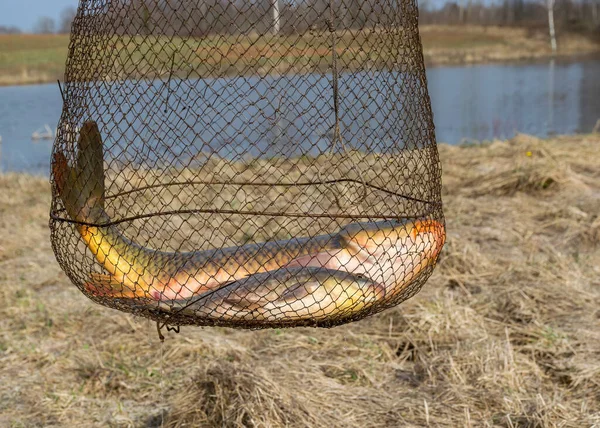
(246, 163)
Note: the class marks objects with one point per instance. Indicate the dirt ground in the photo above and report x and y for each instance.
(505, 334)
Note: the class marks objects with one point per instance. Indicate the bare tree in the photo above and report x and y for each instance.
(66, 20)
(44, 25)
(550, 7)
(202, 17)
(276, 17)
(9, 30)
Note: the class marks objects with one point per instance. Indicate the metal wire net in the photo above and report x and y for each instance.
(251, 164)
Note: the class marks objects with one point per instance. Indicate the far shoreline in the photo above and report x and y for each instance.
(40, 59)
(567, 57)
(429, 64)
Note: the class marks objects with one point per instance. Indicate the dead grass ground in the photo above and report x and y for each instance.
(446, 45)
(505, 334)
(29, 58)
(26, 59)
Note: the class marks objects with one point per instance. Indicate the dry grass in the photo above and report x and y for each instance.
(505, 334)
(29, 58)
(475, 44)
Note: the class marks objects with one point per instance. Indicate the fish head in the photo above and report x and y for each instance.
(394, 238)
(428, 237)
(332, 294)
(346, 288)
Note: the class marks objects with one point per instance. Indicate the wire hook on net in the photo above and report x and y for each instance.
(159, 327)
(211, 198)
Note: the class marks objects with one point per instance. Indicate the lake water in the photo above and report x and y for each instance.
(469, 102)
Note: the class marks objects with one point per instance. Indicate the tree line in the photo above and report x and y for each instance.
(201, 17)
(47, 25)
(573, 15)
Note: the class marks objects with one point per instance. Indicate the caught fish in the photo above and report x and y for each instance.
(292, 294)
(390, 254)
(136, 271)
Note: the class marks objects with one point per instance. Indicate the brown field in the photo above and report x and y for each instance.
(505, 334)
(473, 44)
(41, 58)
(29, 58)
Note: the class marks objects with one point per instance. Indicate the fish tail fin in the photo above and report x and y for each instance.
(81, 188)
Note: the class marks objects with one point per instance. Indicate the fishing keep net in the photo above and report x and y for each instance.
(250, 164)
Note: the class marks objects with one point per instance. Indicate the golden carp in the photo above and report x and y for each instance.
(293, 294)
(391, 254)
(136, 271)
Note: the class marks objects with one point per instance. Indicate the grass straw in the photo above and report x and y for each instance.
(505, 334)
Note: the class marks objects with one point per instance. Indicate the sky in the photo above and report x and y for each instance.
(25, 13)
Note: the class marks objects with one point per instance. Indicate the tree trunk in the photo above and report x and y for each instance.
(276, 17)
(469, 10)
(550, 6)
